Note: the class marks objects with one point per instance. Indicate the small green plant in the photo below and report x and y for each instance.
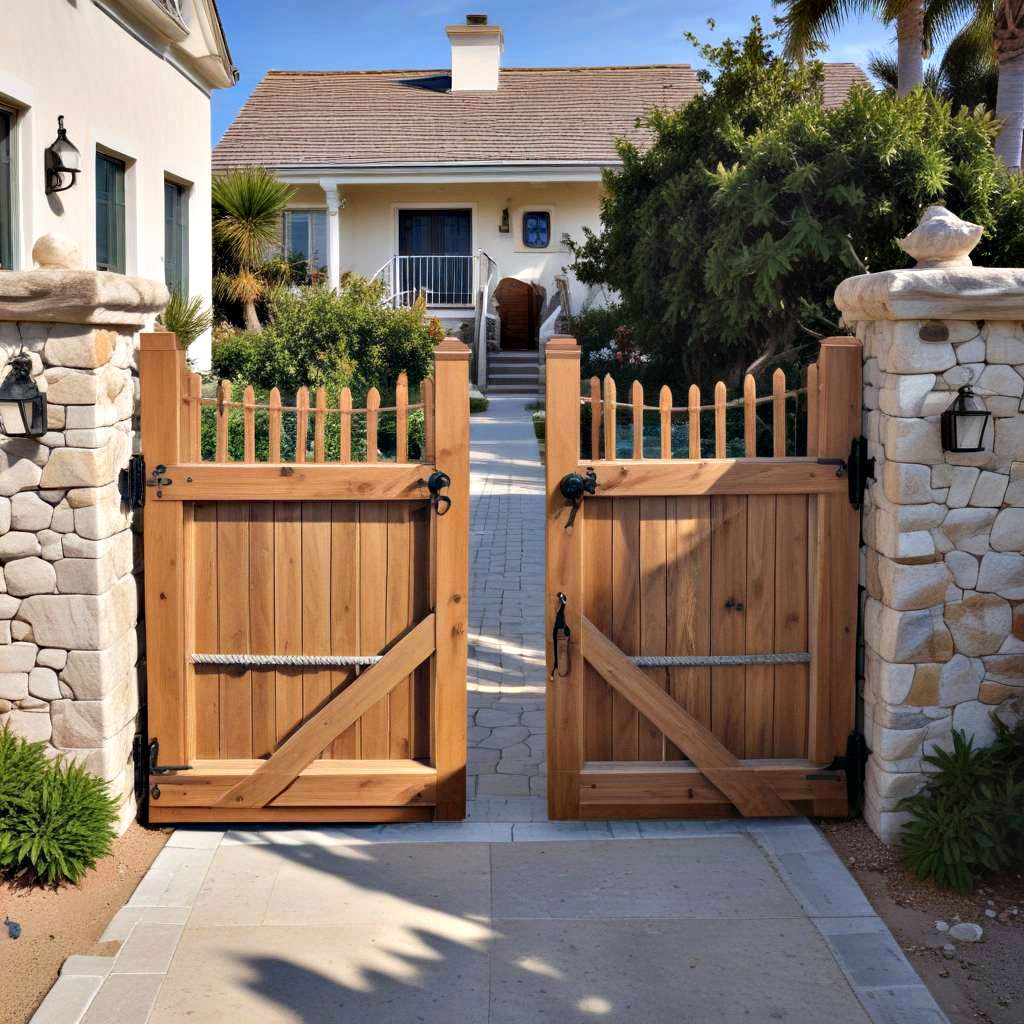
(56, 818)
(969, 818)
(186, 318)
(477, 403)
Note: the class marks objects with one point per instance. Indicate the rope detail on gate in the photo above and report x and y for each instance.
(696, 661)
(296, 660)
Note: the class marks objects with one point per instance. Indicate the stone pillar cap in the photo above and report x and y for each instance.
(942, 286)
(59, 291)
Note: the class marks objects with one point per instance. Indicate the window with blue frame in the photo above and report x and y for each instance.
(110, 214)
(536, 229)
(176, 237)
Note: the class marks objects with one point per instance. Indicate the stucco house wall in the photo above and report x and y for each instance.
(124, 89)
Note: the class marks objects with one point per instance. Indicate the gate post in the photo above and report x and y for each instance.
(943, 529)
(451, 578)
(564, 569)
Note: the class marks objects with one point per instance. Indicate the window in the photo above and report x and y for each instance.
(536, 229)
(6, 191)
(176, 237)
(305, 240)
(109, 213)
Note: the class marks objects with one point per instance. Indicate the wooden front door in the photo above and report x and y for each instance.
(703, 662)
(518, 305)
(305, 613)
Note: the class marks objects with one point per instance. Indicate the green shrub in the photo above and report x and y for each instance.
(969, 818)
(58, 821)
(477, 403)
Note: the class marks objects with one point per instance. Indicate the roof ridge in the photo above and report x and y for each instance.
(447, 71)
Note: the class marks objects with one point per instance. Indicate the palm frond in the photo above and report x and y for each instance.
(247, 206)
(807, 24)
(186, 318)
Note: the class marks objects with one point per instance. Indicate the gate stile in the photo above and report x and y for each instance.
(701, 612)
(305, 621)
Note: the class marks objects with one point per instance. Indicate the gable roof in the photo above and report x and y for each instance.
(410, 118)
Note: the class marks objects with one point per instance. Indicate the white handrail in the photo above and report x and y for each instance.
(481, 319)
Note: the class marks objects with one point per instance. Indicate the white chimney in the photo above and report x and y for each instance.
(476, 54)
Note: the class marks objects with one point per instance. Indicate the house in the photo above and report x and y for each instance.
(131, 80)
(464, 183)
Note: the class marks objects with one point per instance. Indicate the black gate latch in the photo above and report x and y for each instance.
(573, 487)
(436, 483)
(162, 769)
(560, 634)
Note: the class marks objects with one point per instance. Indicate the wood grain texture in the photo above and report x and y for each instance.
(728, 618)
(597, 605)
(759, 704)
(625, 631)
(653, 570)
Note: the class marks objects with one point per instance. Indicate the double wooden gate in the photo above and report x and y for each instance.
(305, 618)
(702, 662)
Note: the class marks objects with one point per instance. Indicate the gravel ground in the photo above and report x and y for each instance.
(58, 922)
(981, 981)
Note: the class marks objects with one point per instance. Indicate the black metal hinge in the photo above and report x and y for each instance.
(853, 764)
(162, 769)
(132, 483)
(856, 467)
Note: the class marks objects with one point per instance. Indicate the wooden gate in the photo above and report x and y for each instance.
(305, 618)
(706, 649)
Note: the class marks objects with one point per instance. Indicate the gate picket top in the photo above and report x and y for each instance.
(305, 610)
(710, 588)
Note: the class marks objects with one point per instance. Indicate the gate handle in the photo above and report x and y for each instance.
(437, 482)
(574, 487)
(560, 633)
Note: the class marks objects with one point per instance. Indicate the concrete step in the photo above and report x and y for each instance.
(512, 389)
(513, 378)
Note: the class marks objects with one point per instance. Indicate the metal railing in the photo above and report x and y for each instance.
(444, 280)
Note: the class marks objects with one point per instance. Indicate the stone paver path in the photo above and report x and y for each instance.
(506, 617)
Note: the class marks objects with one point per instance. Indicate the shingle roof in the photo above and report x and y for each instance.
(839, 80)
(388, 118)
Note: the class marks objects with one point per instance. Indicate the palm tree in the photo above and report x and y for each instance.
(807, 23)
(248, 204)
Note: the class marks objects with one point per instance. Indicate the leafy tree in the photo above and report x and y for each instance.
(247, 207)
(808, 23)
(727, 236)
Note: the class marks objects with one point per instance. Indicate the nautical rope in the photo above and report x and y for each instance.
(298, 660)
(687, 661)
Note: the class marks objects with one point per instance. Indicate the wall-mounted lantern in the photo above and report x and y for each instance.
(963, 424)
(503, 226)
(22, 405)
(62, 157)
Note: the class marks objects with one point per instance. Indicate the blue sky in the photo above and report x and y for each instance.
(328, 34)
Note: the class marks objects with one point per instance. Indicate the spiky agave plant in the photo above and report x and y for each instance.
(185, 317)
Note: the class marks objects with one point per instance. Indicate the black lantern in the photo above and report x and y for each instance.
(963, 423)
(62, 157)
(22, 405)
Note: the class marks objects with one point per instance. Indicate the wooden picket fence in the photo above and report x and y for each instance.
(707, 661)
(305, 618)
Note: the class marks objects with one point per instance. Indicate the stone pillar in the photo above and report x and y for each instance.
(67, 587)
(943, 569)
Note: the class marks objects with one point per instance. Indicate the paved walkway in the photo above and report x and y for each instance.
(506, 617)
(629, 923)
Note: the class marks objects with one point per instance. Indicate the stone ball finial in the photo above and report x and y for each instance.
(57, 252)
(942, 239)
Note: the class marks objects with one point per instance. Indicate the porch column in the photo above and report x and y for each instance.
(334, 204)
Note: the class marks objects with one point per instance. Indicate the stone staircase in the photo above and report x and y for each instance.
(513, 372)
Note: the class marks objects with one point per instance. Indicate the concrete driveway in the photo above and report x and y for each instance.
(497, 924)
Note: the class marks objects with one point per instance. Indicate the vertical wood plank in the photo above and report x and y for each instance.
(427, 396)
(610, 449)
(665, 411)
(319, 422)
(206, 700)
(597, 606)
(812, 409)
(372, 405)
(419, 580)
(833, 643)
(689, 605)
(595, 418)
(316, 602)
(345, 427)
(191, 431)
(791, 616)
(345, 561)
(638, 420)
(728, 625)
(373, 595)
(274, 425)
(760, 624)
(249, 423)
(625, 632)
(288, 614)
(402, 418)
(233, 627)
(223, 415)
(399, 608)
(261, 626)
(693, 410)
(779, 413)
(301, 423)
(161, 363)
(451, 576)
(750, 416)
(653, 612)
(720, 420)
